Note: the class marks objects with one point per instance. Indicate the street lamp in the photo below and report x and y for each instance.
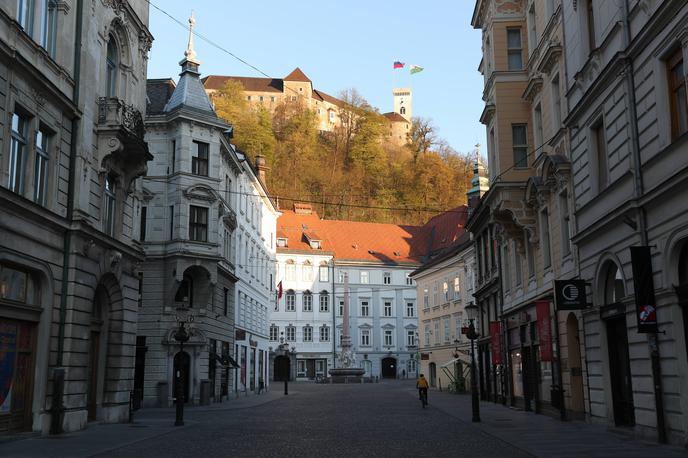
(181, 335)
(283, 349)
(472, 313)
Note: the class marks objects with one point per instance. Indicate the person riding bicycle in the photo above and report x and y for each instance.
(422, 385)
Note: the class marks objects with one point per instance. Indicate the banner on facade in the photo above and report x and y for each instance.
(544, 326)
(645, 305)
(570, 294)
(496, 342)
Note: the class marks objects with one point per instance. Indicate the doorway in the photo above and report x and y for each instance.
(282, 371)
(433, 375)
(577, 405)
(620, 372)
(139, 371)
(389, 368)
(182, 365)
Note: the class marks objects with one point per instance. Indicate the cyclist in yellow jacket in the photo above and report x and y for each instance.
(422, 385)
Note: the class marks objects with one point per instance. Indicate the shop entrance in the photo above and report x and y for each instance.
(620, 372)
(17, 355)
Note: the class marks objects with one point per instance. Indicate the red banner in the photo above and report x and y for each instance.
(496, 341)
(544, 325)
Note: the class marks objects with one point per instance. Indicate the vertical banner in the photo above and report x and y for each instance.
(496, 341)
(544, 326)
(645, 305)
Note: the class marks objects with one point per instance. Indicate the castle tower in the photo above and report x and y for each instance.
(403, 102)
(480, 183)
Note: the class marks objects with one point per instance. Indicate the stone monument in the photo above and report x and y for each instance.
(346, 372)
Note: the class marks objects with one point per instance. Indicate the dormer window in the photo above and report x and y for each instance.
(315, 244)
(281, 242)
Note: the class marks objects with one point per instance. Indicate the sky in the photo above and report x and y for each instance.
(339, 45)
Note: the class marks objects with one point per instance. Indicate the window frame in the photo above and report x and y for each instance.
(324, 273)
(112, 63)
(324, 302)
(519, 148)
(514, 50)
(290, 301)
(308, 333)
(109, 205)
(388, 338)
(387, 309)
(324, 333)
(307, 301)
(18, 152)
(198, 225)
(365, 307)
(677, 89)
(199, 164)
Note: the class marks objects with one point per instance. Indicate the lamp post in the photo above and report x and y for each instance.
(472, 312)
(456, 364)
(181, 336)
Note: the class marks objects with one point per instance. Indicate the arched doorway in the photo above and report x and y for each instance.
(97, 351)
(577, 405)
(182, 366)
(389, 367)
(433, 375)
(282, 368)
(617, 344)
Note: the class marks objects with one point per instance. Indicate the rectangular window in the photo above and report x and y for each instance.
(556, 102)
(457, 327)
(49, 26)
(340, 309)
(677, 94)
(410, 338)
(25, 15)
(307, 272)
(142, 228)
(426, 299)
(438, 338)
(324, 334)
(387, 278)
(324, 273)
(410, 310)
(291, 333)
(364, 276)
(365, 309)
(447, 332)
(445, 291)
(342, 276)
(365, 337)
(387, 309)
(17, 162)
(519, 140)
(546, 249)
(565, 224)
(600, 154)
(427, 335)
(514, 49)
(590, 24)
(290, 299)
(457, 288)
(388, 338)
(307, 334)
(199, 162)
(518, 269)
(274, 333)
(290, 272)
(505, 267)
(324, 302)
(307, 302)
(41, 172)
(198, 224)
(109, 206)
(171, 216)
(409, 280)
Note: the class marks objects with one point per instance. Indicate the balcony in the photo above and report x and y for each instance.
(122, 149)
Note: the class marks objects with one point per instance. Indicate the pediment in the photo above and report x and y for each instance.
(200, 192)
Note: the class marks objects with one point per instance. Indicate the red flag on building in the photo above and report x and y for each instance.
(496, 341)
(279, 290)
(544, 325)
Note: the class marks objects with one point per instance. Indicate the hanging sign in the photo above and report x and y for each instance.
(570, 294)
(645, 305)
(496, 342)
(544, 327)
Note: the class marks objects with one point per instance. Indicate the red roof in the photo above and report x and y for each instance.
(371, 242)
(297, 75)
(395, 117)
(217, 82)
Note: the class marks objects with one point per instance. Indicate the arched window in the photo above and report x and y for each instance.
(614, 290)
(290, 298)
(111, 64)
(402, 110)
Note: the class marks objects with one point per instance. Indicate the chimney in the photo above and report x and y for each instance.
(262, 169)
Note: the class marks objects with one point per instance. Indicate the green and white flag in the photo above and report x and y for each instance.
(415, 69)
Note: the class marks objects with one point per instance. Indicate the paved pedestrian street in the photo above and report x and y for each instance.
(384, 419)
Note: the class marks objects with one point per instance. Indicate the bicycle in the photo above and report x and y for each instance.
(424, 397)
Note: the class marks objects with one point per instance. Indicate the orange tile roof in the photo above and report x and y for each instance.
(297, 75)
(395, 117)
(371, 242)
(217, 82)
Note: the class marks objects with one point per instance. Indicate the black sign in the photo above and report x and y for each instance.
(570, 294)
(645, 305)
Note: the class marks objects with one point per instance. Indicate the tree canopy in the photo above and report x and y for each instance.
(353, 172)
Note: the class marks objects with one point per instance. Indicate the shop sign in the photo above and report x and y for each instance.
(544, 326)
(645, 305)
(496, 342)
(424, 356)
(570, 294)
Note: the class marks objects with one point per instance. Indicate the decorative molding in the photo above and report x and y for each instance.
(533, 88)
(200, 192)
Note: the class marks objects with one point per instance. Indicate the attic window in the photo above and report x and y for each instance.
(371, 252)
(315, 244)
(396, 253)
(281, 242)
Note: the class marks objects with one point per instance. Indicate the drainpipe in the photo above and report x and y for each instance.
(642, 218)
(57, 407)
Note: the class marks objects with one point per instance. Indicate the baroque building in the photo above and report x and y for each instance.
(72, 94)
(205, 208)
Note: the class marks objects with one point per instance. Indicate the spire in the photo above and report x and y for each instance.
(189, 91)
(480, 183)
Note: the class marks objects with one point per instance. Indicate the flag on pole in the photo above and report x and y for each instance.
(279, 290)
(415, 69)
(398, 64)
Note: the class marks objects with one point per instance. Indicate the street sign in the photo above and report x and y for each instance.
(570, 294)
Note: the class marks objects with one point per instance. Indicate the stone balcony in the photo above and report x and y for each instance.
(122, 150)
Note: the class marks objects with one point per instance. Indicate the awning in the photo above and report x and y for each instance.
(227, 361)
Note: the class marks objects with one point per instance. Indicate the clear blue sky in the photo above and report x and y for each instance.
(341, 44)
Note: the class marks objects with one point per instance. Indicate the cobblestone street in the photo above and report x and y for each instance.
(340, 420)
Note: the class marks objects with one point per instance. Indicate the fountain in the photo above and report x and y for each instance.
(346, 373)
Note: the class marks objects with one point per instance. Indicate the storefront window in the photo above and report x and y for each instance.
(13, 284)
(517, 373)
(545, 384)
